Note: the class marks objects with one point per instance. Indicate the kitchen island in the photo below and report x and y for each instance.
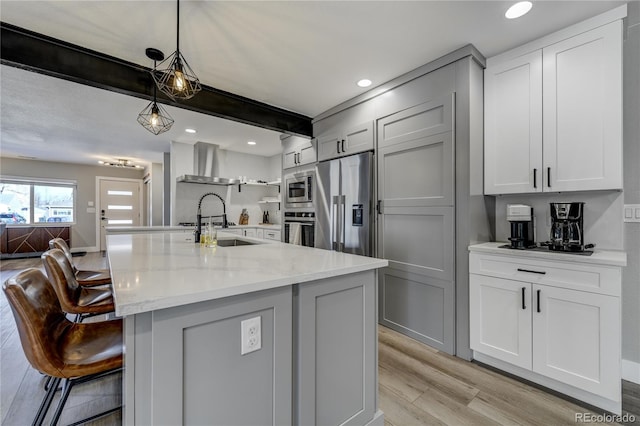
(184, 307)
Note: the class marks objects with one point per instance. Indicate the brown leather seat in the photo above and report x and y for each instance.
(75, 299)
(55, 346)
(84, 277)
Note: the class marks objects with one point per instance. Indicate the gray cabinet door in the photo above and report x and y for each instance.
(416, 222)
(336, 351)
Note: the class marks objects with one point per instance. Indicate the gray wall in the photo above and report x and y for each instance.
(631, 231)
(157, 184)
(83, 233)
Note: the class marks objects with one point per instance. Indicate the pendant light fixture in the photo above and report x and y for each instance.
(154, 117)
(177, 80)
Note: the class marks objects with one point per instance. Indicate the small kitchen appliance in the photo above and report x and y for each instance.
(520, 217)
(567, 229)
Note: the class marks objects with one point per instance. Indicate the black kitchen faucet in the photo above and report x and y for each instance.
(199, 215)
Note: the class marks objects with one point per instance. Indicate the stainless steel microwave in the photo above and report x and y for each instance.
(299, 190)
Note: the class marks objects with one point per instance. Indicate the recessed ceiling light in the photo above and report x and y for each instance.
(251, 143)
(100, 162)
(364, 83)
(190, 130)
(518, 9)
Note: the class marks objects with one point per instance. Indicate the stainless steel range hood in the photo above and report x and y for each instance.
(206, 166)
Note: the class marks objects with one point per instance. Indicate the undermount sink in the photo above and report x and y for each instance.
(233, 242)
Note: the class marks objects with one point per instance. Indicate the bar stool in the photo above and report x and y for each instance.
(70, 352)
(84, 277)
(74, 298)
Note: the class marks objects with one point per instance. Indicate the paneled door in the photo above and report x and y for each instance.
(120, 202)
(416, 222)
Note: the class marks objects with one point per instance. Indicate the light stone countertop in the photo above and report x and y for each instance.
(599, 257)
(158, 270)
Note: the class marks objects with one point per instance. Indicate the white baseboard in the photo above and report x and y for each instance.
(631, 371)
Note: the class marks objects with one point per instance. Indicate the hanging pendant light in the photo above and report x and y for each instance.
(154, 117)
(177, 80)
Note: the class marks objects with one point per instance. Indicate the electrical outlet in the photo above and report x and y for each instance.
(631, 213)
(251, 335)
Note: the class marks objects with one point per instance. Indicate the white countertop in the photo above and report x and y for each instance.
(158, 270)
(600, 257)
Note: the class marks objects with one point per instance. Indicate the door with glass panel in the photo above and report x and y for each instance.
(120, 202)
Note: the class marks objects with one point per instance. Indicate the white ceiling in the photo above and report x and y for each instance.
(303, 56)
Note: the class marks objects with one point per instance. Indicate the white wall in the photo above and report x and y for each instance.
(185, 196)
(602, 216)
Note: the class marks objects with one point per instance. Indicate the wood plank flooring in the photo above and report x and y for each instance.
(418, 385)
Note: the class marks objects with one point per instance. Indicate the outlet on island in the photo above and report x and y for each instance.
(251, 335)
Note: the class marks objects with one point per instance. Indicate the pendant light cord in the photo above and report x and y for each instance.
(178, 28)
(154, 85)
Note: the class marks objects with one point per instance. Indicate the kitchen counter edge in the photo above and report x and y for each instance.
(599, 257)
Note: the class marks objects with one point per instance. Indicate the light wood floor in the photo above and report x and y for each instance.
(418, 385)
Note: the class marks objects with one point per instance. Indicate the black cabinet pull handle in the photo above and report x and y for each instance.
(531, 271)
(523, 305)
(549, 177)
(338, 146)
(342, 146)
(538, 300)
(535, 178)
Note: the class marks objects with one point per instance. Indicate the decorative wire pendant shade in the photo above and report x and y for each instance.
(175, 78)
(154, 117)
(178, 81)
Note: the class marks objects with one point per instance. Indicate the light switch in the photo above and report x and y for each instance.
(90, 203)
(631, 213)
(91, 209)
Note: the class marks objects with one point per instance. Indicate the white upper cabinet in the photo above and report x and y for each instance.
(553, 115)
(345, 141)
(513, 125)
(582, 111)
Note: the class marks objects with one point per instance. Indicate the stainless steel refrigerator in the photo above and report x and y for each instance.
(343, 204)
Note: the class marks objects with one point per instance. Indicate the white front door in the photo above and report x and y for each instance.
(119, 205)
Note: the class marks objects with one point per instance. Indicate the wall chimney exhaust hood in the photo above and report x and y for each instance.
(206, 166)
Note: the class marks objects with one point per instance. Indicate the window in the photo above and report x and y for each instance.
(24, 201)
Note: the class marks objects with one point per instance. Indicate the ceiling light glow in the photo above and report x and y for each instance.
(518, 9)
(364, 83)
(251, 143)
(190, 130)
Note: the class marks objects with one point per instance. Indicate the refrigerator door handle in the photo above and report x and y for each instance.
(334, 223)
(343, 224)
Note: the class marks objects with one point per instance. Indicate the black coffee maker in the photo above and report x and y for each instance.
(567, 229)
(520, 217)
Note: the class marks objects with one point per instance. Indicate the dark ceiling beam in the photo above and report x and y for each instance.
(35, 52)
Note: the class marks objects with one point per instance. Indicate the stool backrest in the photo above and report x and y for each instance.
(63, 278)
(39, 318)
(61, 244)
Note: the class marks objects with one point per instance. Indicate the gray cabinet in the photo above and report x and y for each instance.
(297, 151)
(416, 222)
(336, 347)
(193, 354)
(341, 141)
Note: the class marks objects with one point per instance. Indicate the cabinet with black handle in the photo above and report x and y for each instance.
(553, 322)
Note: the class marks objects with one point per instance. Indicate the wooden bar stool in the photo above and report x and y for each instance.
(74, 298)
(84, 277)
(70, 352)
